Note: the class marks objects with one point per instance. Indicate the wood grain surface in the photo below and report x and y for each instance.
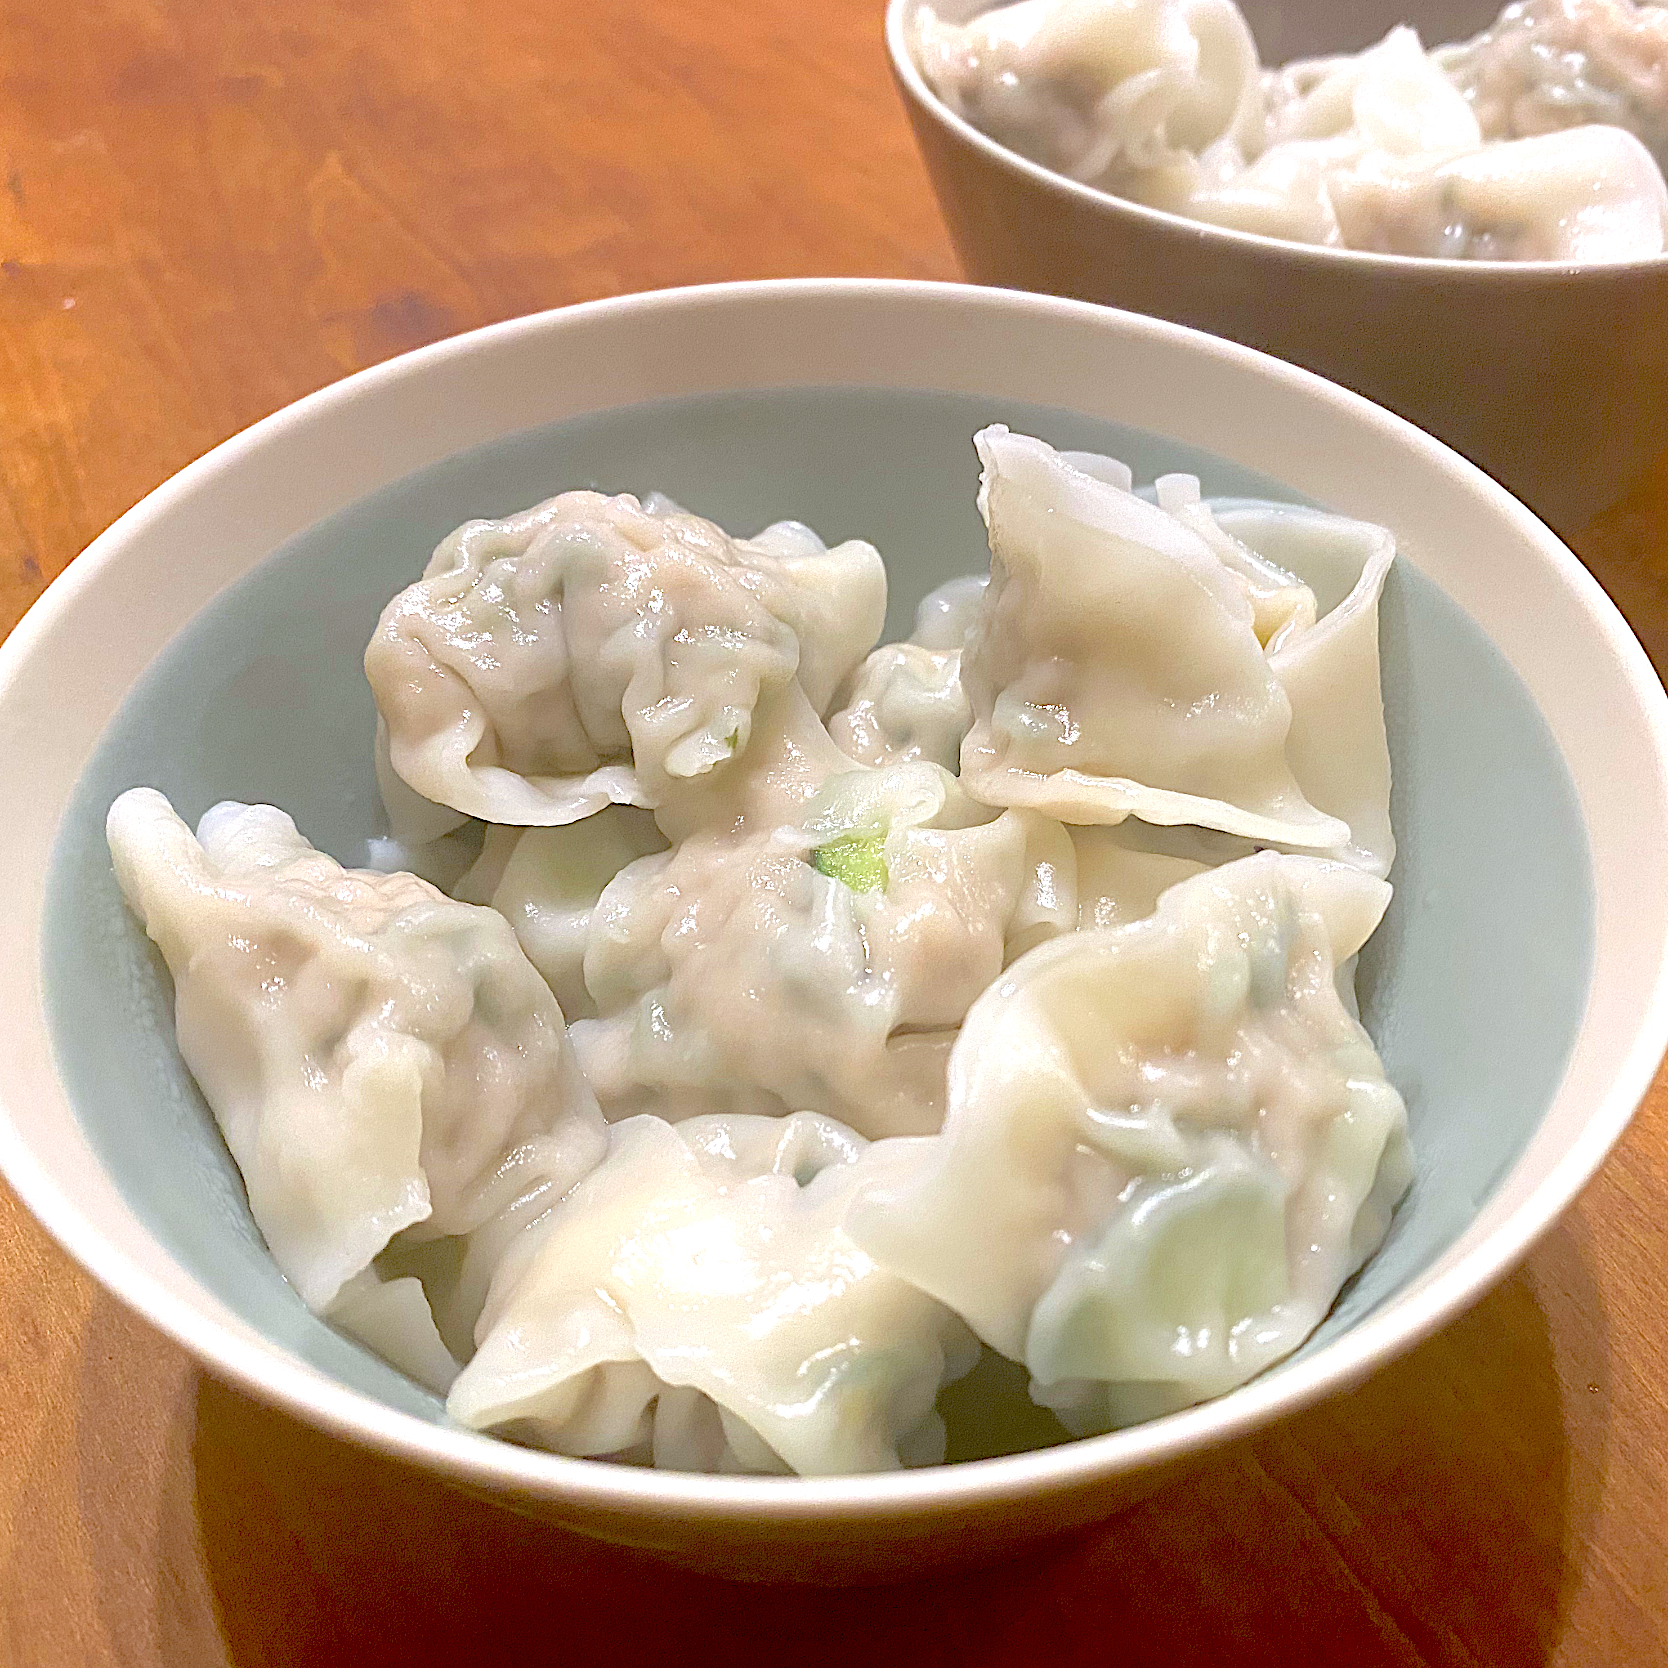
(208, 210)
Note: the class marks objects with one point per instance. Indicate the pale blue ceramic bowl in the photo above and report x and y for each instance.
(1480, 988)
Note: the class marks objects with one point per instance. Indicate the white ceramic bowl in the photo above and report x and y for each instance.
(1518, 989)
(1553, 378)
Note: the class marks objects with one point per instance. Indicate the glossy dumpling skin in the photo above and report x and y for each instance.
(1116, 93)
(1167, 1145)
(696, 1301)
(906, 701)
(587, 652)
(1589, 194)
(378, 1057)
(546, 883)
(1122, 871)
(1382, 151)
(1329, 666)
(1546, 65)
(822, 965)
(1115, 668)
(1541, 139)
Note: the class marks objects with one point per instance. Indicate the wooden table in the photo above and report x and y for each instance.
(206, 211)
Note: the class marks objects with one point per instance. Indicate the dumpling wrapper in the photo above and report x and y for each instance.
(1167, 1145)
(1330, 670)
(820, 966)
(1117, 93)
(1546, 65)
(945, 615)
(904, 703)
(1115, 669)
(376, 1055)
(695, 1300)
(546, 883)
(1405, 152)
(587, 652)
(393, 1319)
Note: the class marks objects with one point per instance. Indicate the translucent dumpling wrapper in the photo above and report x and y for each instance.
(1116, 93)
(769, 787)
(1543, 138)
(413, 821)
(587, 652)
(1383, 151)
(378, 1057)
(1546, 65)
(1122, 871)
(546, 882)
(946, 614)
(1327, 117)
(1115, 669)
(696, 1301)
(822, 966)
(1588, 194)
(906, 701)
(1329, 667)
(1391, 97)
(392, 1317)
(1168, 1144)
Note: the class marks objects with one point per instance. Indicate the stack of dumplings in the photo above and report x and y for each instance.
(1541, 139)
(740, 1025)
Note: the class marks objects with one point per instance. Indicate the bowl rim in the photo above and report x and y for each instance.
(906, 72)
(621, 1493)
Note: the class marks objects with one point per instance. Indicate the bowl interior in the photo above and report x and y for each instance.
(1474, 988)
(1287, 29)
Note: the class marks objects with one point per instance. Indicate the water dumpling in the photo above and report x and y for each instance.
(587, 652)
(1167, 1145)
(546, 883)
(1329, 666)
(696, 1301)
(906, 701)
(379, 1057)
(823, 966)
(1546, 65)
(1115, 668)
(1117, 93)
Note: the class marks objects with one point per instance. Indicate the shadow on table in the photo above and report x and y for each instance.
(1424, 1517)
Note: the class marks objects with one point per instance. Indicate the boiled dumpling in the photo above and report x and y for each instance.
(1122, 871)
(376, 1055)
(1282, 605)
(1391, 97)
(906, 700)
(1329, 668)
(696, 1301)
(1117, 93)
(1115, 668)
(1543, 138)
(393, 1318)
(1546, 65)
(1167, 1145)
(822, 966)
(1384, 151)
(1585, 195)
(586, 653)
(546, 882)
(945, 615)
